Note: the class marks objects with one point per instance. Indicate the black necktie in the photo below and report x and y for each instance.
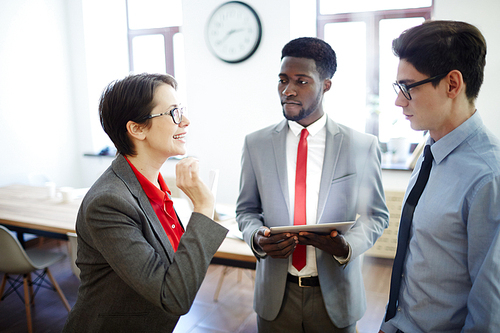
(404, 231)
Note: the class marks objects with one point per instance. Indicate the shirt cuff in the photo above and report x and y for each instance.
(257, 250)
(344, 260)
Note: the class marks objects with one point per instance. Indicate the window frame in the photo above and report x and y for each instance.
(371, 19)
(168, 34)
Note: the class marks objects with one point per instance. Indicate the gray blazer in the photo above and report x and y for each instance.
(351, 189)
(131, 278)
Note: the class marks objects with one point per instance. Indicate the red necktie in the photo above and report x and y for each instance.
(299, 214)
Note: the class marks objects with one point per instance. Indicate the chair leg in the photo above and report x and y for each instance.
(225, 271)
(27, 304)
(30, 285)
(59, 291)
(2, 286)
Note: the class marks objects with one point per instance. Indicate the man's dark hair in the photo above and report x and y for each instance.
(316, 49)
(129, 99)
(438, 47)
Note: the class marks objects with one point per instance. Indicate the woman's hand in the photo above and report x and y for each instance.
(188, 180)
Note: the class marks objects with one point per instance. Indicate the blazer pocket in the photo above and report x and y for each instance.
(344, 178)
(341, 199)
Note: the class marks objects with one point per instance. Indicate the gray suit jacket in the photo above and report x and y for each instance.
(131, 278)
(350, 189)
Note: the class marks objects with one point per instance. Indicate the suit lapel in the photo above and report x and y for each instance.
(123, 170)
(279, 148)
(333, 144)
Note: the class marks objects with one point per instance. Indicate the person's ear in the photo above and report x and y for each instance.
(136, 130)
(455, 83)
(327, 84)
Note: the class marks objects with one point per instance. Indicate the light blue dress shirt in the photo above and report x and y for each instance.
(451, 278)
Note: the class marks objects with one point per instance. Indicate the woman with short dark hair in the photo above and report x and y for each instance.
(140, 268)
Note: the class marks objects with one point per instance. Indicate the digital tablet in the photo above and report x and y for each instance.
(322, 228)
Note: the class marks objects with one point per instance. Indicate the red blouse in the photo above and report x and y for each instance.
(162, 205)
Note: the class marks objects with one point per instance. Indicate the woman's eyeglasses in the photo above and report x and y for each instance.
(176, 114)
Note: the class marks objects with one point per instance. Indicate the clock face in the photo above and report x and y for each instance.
(233, 31)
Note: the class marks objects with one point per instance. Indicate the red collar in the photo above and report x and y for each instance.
(153, 192)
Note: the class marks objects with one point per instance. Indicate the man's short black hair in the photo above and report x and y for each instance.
(313, 48)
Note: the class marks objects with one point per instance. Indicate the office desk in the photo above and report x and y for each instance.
(28, 209)
(233, 251)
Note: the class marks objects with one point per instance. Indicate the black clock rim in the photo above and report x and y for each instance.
(257, 43)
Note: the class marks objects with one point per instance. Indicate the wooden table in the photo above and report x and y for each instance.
(234, 251)
(28, 209)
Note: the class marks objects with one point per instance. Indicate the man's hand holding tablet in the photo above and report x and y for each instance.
(322, 228)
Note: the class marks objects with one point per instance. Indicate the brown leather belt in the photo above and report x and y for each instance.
(303, 281)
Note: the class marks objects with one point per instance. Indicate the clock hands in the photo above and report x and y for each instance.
(229, 33)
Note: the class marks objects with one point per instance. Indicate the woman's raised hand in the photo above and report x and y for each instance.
(188, 180)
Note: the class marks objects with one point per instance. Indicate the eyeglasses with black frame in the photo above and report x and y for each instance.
(176, 114)
(405, 89)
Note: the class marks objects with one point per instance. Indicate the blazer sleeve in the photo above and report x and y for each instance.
(117, 228)
(249, 213)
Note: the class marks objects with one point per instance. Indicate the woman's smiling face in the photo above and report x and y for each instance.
(164, 136)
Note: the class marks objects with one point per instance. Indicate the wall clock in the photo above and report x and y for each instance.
(233, 32)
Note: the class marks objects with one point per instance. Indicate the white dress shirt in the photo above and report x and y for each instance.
(315, 155)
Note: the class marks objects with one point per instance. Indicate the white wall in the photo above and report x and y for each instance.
(227, 101)
(484, 15)
(48, 94)
(36, 115)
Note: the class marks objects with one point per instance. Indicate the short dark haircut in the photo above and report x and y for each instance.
(313, 48)
(438, 47)
(129, 99)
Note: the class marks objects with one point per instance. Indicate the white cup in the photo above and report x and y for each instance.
(51, 189)
(67, 193)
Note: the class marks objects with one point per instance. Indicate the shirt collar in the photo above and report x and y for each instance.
(444, 146)
(153, 193)
(313, 129)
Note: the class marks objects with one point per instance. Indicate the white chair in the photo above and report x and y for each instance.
(14, 260)
(73, 247)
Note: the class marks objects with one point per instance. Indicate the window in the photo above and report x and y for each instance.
(361, 33)
(154, 39)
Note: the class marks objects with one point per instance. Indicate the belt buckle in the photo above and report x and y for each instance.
(300, 281)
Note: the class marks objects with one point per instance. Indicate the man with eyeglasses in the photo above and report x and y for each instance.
(446, 271)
